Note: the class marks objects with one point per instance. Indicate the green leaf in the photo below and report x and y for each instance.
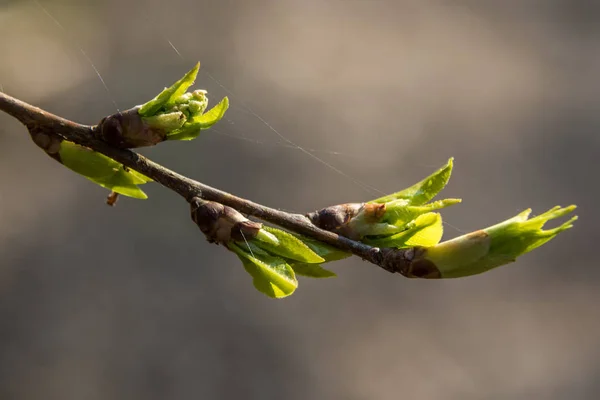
(289, 246)
(398, 213)
(102, 170)
(312, 271)
(192, 129)
(327, 252)
(497, 245)
(420, 193)
(272, 276)
(213, 115)
(426, 230)
(169, 95)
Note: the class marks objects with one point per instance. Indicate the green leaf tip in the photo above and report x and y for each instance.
(423, 191)
(492, 247)
(169, 95)
(312, 271)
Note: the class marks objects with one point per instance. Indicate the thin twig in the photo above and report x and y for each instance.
(38, 120)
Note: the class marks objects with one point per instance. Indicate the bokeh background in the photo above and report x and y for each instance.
(132, 303)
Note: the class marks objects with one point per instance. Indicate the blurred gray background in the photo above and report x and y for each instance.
(132, 303)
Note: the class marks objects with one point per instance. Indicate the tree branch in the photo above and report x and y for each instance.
(39, 122)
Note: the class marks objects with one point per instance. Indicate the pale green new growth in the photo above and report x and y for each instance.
(272, 257)
(425, 230)
(313, 271)
(181, 115)
(102, 170)
(497, 245)
(420, 193)
(271, 275)
(408, 219)
(289, 246)
(168, 96)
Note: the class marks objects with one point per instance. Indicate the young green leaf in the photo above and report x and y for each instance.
(192, 128)
(312, 271)
(272, 276)
(169, 95)
(327, 252)
(426, 230)
(102, 170)
(399, 214)
(289, 246)
(420, 193)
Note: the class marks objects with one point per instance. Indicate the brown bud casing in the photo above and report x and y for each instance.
(127, 130)
(220, 223)
(345, 219)
(334, 217)
(409, 263)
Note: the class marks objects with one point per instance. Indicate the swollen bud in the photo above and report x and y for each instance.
(173, 114)
(485, 249)
(391, 224)
(129, 130)
(222, 224)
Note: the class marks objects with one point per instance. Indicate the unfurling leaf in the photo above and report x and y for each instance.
(192, 129)
(102, 170)
(491, 247)
(312, 271)
(386, 220)
(169, 95)
(426, 230)
(271, 275)
(420, 193)
(400, 214)
(327, 252)
(289, 246)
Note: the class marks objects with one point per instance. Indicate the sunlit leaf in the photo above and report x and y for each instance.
(497, 245)
(327, 252)
(289, 246)
(192, 128)
(426, 230)
(312, 271)
(399, 214)
(422, 192)
(272, 276)
(102, 170)
(169, 95)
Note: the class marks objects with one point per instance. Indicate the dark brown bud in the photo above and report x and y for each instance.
(220, 223)
(245, 230)
(127, 130)
(348, 219)
(334, 217)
